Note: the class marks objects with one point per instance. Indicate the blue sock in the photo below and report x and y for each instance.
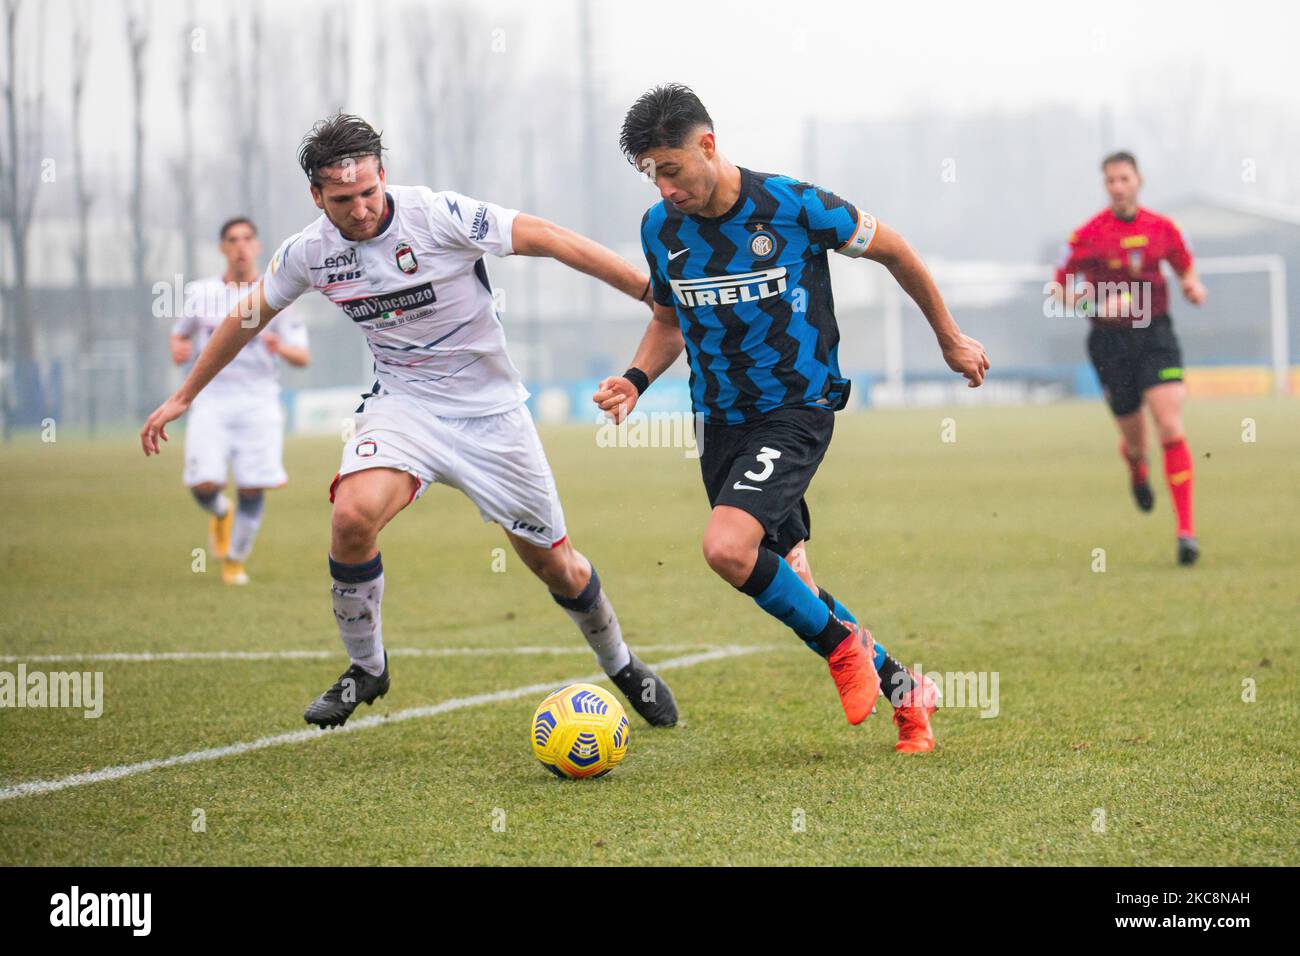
(838, 609)
(779, 591)
(844, 614)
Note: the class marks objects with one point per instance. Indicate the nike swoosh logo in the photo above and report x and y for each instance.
(674, 255)
(739, 487)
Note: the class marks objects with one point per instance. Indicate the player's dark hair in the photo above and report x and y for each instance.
(1120, 156)
(663, 116)
(335, 139)
(237, 221)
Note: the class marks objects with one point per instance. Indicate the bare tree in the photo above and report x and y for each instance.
(183, 167)
(137, 39)
(255, 154)
(20, 165)
(324, 73)
(245, 78)
(238, 93)
(456, 91)
(344, 61)
(463, 36)
(84, 201)
(334, 66)
(379, 62)
(423, 58)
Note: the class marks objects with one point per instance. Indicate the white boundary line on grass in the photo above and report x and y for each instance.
(33, 787)
(149, 657)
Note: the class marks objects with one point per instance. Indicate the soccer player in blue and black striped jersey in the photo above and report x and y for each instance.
(738, 265)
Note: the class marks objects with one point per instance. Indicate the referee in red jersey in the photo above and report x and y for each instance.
(1111, 273)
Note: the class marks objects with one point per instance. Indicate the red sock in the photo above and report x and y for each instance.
(1137, 467)
(1178, 473)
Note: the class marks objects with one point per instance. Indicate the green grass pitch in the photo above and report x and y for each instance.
(1122, 736)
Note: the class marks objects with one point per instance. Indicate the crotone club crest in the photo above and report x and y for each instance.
(405, 258)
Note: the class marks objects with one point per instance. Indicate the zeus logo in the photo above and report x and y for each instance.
(728, 290)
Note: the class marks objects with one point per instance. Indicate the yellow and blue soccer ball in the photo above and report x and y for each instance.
(580, 731)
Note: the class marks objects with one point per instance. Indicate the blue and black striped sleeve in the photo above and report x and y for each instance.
(835, 224)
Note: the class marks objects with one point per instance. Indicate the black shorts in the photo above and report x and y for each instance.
(764, 467)
(1131, 360)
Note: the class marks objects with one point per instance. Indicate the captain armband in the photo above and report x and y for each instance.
(865, 234)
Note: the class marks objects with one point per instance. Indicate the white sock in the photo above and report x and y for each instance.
(594, 614)
(356, 608)
(217, 504)
(243, 531)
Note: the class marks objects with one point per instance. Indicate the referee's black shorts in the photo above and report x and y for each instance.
(763, 467)
(1130, 360)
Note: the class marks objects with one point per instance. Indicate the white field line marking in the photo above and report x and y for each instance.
(34, 787)
(148, 657)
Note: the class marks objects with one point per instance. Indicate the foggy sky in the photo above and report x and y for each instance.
(753, 60)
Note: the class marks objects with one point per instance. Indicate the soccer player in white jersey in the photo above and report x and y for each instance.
(405, 264)
(237, 423)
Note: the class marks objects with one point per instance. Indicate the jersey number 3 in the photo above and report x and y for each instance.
(766, 457)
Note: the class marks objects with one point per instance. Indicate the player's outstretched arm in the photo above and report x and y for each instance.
(962, 353)
(234, 332)
(532, 236)
(617, 395)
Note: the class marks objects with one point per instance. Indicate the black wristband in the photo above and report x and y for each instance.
(639, 379)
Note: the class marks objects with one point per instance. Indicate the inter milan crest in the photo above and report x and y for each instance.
(405, 258)
(761, 245)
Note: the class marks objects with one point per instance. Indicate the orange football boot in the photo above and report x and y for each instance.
(912, 717)
(854, 672)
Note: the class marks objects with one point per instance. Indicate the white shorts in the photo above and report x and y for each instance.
(496, 460)
(243, 435)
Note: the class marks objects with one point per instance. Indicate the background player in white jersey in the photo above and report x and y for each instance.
(237, 424)
(406, 265)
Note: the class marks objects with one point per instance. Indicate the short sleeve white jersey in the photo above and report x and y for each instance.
(419, 291)
(255, 368)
